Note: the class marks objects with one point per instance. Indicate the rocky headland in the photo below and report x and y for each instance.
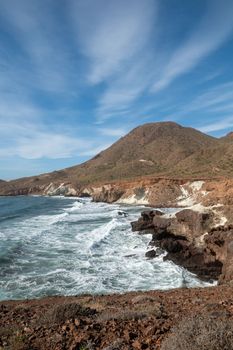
(161, 165)
(191, 239)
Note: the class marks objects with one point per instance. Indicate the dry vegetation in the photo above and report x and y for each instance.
(132, 321)
(202, 332)
(156, 149)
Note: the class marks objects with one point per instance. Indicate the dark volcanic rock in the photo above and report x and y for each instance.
(219, 243)
(183, 237)
(192, 223)
(151, 254)
(145, 222)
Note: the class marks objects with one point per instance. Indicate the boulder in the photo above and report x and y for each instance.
(192, 223)
(151, 254)
(145, 224)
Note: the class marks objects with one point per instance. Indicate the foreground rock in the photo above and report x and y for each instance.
(192, 241)
(121, 322)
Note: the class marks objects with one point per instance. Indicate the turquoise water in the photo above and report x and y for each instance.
(68, 246)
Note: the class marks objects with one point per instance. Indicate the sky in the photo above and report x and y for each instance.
(76, 75)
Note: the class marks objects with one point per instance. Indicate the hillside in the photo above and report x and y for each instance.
(228, 137)
(154, 149)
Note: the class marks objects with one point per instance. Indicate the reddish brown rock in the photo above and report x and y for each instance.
(125, 321)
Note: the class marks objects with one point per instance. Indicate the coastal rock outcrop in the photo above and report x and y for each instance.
(219, 243)
(191, 240)
(106, 193)
(60, 190)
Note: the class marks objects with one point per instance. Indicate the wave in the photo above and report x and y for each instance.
(73, 246)
(97, 235)
(76, 207)
(9, 217)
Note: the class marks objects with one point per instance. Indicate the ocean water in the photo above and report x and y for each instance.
(69, 246)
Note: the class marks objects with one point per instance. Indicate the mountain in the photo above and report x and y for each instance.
(228, 137)
(155, 149)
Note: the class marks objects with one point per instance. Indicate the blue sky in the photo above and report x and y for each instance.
(75, 75)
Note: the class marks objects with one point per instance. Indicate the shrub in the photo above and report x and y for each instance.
(142, 311)
(62, 312)
(202, 333)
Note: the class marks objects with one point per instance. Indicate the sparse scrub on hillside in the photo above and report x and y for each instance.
(142, 311)
(60, 313)
(201, 333)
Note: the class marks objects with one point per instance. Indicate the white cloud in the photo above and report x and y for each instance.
(111, 32)
(216, 99)
(28, 142)
(115, 36)
(115, 132)
(23, 134)
(95, 150)
(125, 89)
(42, 59)
(222, 124)
(212, 32)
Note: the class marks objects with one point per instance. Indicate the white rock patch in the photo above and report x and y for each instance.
(135, 199)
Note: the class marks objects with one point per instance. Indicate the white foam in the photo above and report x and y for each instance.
(75, 207)
(101, 232)
(84, 247)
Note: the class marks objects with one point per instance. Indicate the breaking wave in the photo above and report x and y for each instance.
(50, 246)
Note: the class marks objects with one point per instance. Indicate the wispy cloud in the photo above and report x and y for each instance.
(44, 58)
(111, 33)
(115, 41)
(125, 89)
(31, 141)
(216, 99)
(211, 33)
(225, 123)
(118, 132)
(78, 74)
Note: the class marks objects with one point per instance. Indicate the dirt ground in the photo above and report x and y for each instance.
(137, 320)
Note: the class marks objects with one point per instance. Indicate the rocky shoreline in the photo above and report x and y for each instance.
(191, 240)
(197, 237)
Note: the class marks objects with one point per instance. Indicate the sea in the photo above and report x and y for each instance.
(71, 246)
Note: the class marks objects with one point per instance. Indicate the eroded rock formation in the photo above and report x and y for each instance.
(192, 241)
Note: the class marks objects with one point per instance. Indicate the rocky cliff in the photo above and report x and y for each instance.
(193, 239)
(151, 151)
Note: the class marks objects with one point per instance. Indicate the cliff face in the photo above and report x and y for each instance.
(157, 192)
(155, 150)
(193, 239)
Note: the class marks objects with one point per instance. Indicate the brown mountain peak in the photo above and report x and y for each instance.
(155, 149)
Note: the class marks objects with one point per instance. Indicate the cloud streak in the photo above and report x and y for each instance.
(43, 56)
(115, 42)
(77, 74)
(110, 33)
(219, 125)
(35, 142)
(211, 33)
